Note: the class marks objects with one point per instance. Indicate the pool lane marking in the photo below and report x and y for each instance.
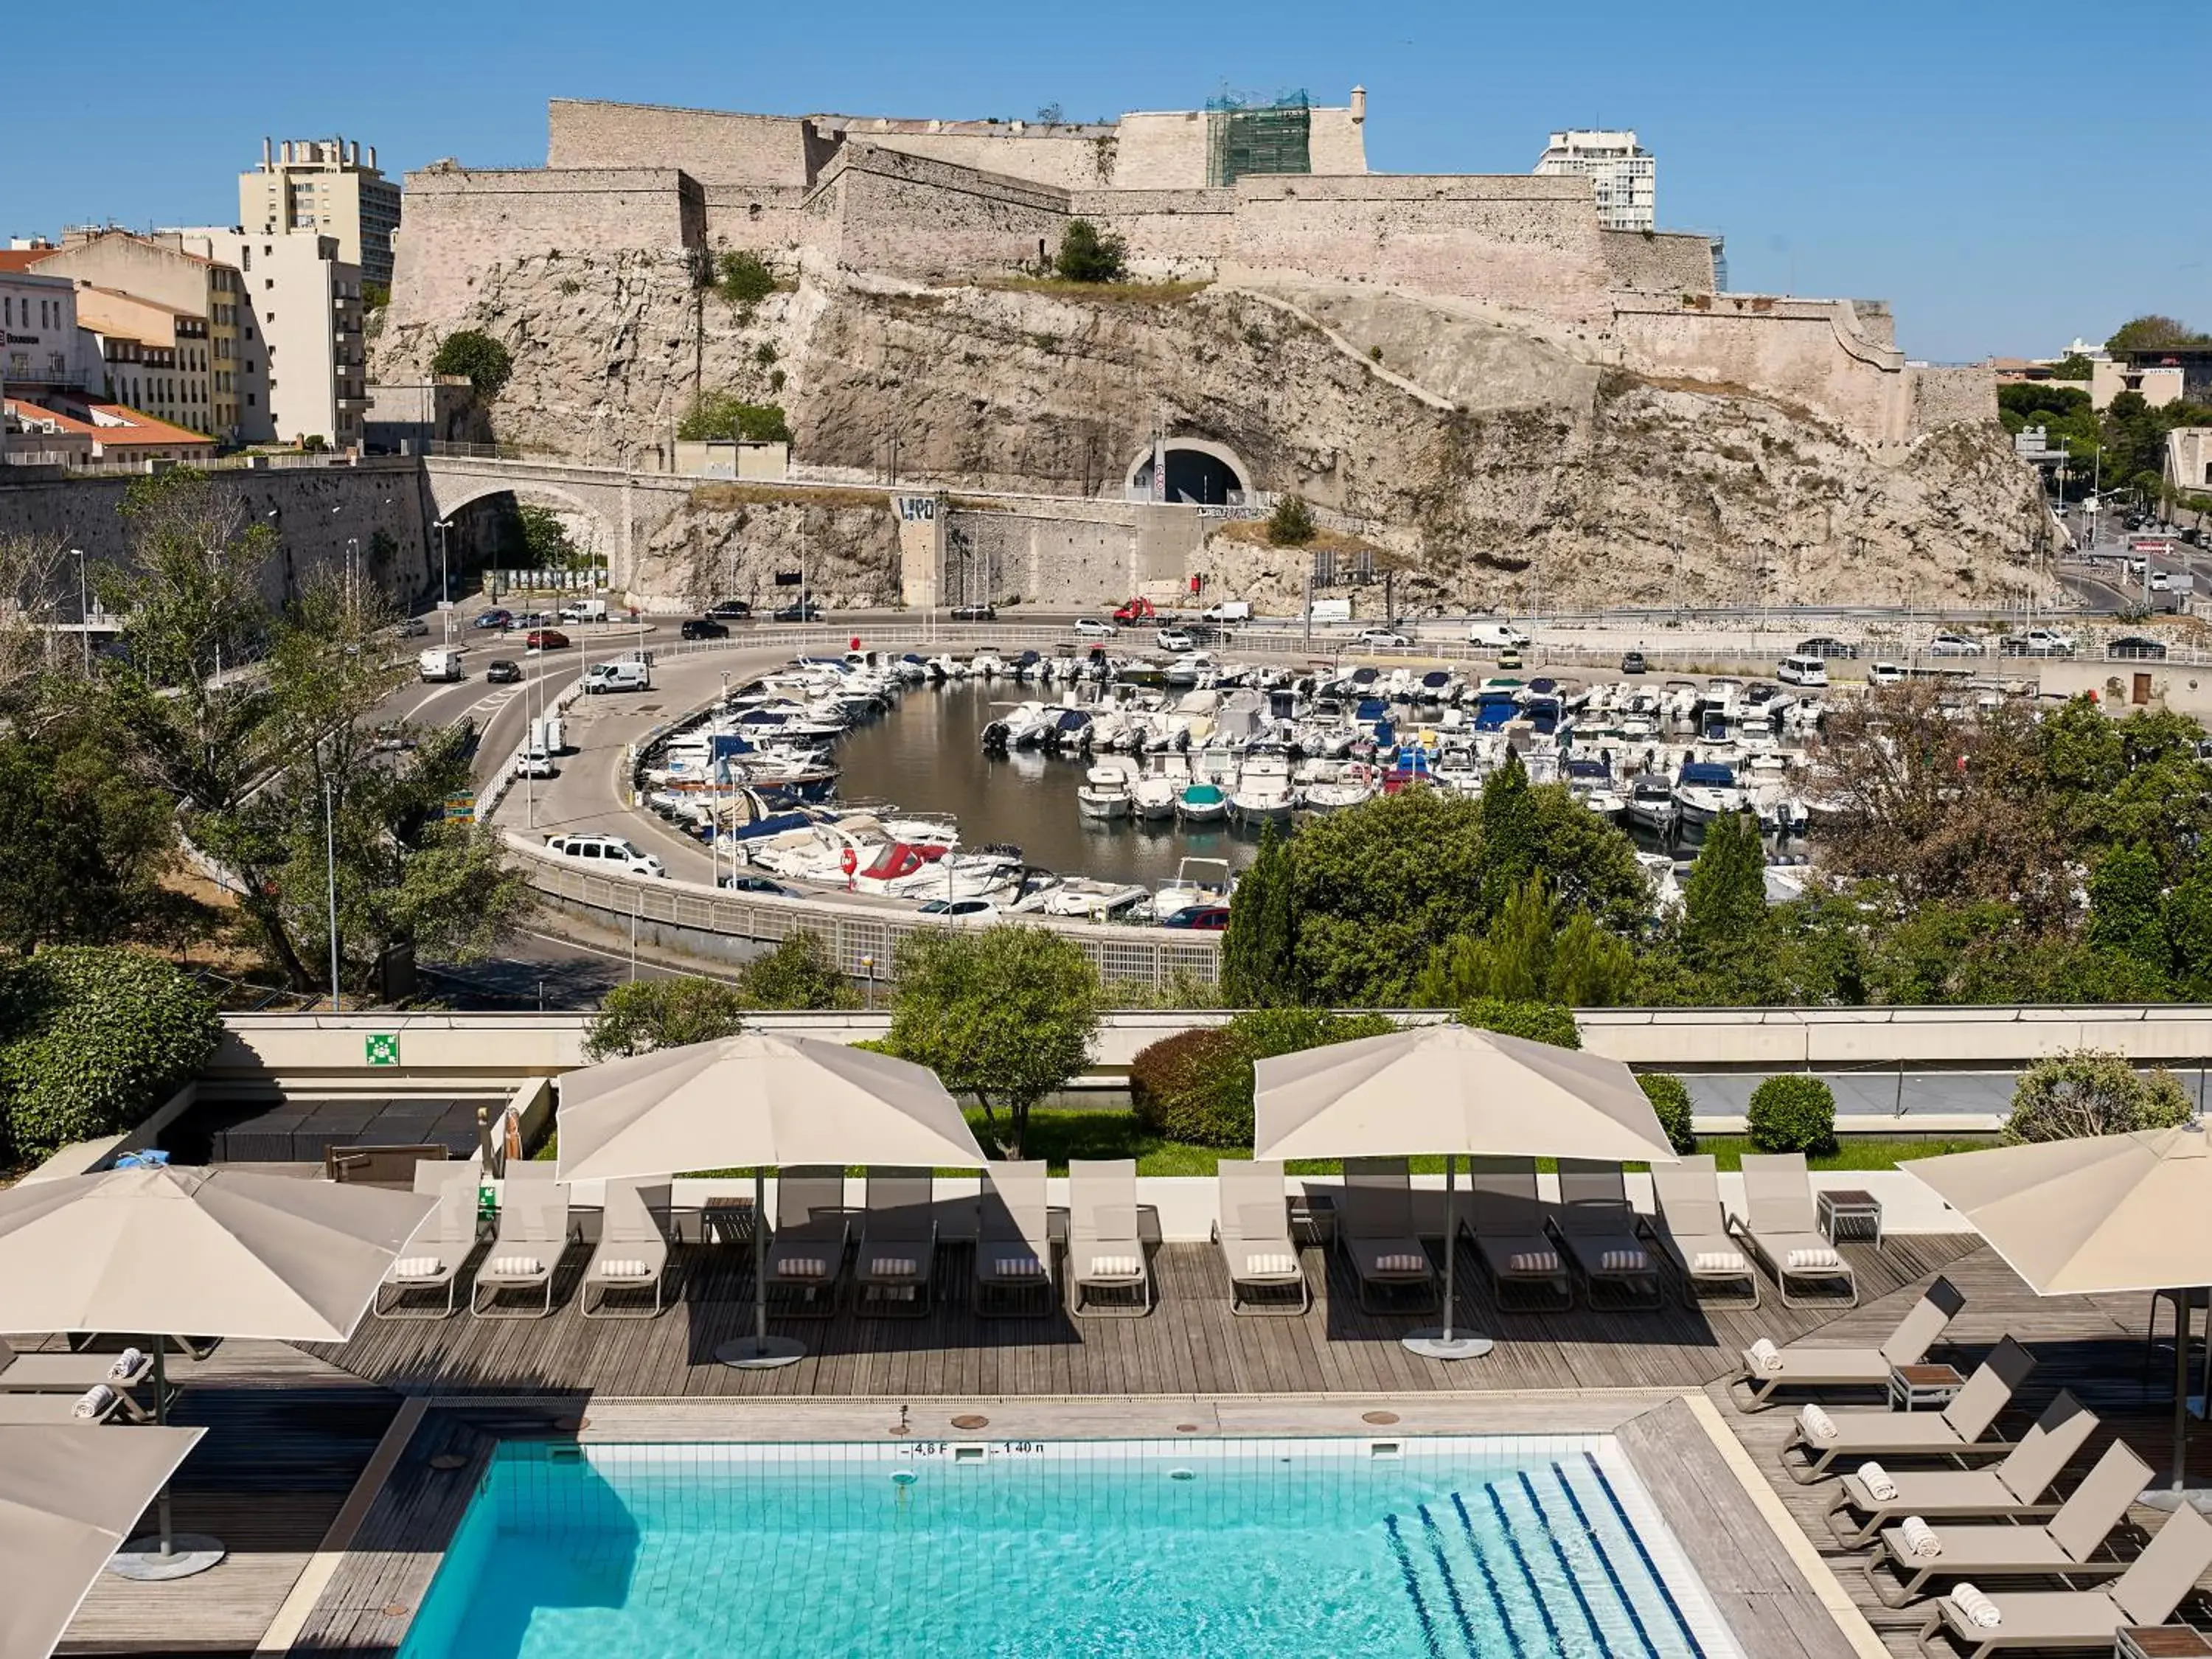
(1489, 1578)
(1597, 1548)
(1436, 1543)
(1681, 1622)
(1535, 1590)
(1574, 1583)
(1413, 1587)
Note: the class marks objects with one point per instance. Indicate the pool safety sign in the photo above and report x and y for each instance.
(383, 1047)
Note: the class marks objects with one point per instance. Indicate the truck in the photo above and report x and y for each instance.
(442, 663)
(1497, 634)
(1130, 613)
(1329, 610)
(618, 677)
(584, 611)
(1228, 610)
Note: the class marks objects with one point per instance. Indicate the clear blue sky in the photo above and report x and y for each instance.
(1967, 160)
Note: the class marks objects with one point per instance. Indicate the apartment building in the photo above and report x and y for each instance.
(324, 187)
(302, 301)
(39, 348)
(1623, 173)
(154, 357)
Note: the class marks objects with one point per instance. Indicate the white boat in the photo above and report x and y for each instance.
(1263, 793)
(1105, 791)
(1651, 802)
(1590, 781)
(1338, 784)
(1190, 891)
(1705, 790)
(1156, 793)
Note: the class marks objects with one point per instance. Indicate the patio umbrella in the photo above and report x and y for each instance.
(1457, 1090)
(760, 1101)
(214, 1252)
(2101, 1214)
(67, 1498)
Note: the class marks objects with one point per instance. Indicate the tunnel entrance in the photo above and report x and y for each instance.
(1198, 472)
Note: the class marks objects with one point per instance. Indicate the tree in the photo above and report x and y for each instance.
(1258, 953)
(1291, 523)
(1006, 1014)
(1510, 832)
(725, 415)
(1724, 900)
(478, 358)
(1088, 254)
(2154, 333)
(646, 1015)
(90, 842)
(743, 280)
(2072, 367)
(798, 973)
(2126, 906)
(2090, 1091)
(1198, 1086)
(546, 544)
(1670, 1104)
(1534, 1022)
(1536, 950)
(1792, 1113)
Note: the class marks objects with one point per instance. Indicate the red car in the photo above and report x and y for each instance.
(545, 639)
(1201, 919)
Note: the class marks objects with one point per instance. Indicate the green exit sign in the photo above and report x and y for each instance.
(384, 1047)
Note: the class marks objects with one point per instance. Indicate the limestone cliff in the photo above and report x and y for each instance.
(1503, 468)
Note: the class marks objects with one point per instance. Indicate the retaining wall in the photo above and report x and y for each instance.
(712, 146)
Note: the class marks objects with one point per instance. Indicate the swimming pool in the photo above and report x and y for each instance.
(1482, 1547)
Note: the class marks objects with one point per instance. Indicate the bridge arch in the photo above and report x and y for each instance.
(455, 488)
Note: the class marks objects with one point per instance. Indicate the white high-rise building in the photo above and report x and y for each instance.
(1624, 174)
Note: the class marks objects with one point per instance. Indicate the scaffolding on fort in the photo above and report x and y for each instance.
(1245, 134)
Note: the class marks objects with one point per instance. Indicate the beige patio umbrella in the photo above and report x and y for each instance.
(214, 1252)
(761, 1100)
(2097, 1215)
(1459, 1092)
(68, 1496)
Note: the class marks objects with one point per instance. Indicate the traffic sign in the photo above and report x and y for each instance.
(461, 806)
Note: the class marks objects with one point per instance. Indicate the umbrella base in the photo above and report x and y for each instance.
(1435, 1345)
(142, 1561)
(760, 1353)
(2167, 1499)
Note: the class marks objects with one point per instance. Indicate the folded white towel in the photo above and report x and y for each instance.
(1817, 1423)
(1764, 1355)
(1258, 1262)
(126, 1365)
(418, 1267)
(1719, 1261)
(1978, 1609)
(1017, 1267)
(1401, 1264)
(1115, 1266)
(802, 1267)
(1623, 1261)
(1877, 1481)
(893, 1267)
(516, 1266)
(1817, 1256)
(629, 1268)
(95, 1401)
(1920, 1538)
(1532, 1262)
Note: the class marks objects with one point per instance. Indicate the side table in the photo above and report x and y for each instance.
(1911, 1387)
(1850, 1212)
(2165, 1642)
(726, 1221)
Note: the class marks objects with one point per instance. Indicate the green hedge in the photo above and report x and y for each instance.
(1196, 1086)
(92, 1041)
(1670, 1102)
(1793, 1112)
(1539, 1022)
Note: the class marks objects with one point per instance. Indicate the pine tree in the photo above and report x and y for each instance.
(1512, 838)
(1724, 900)
(1258, 953)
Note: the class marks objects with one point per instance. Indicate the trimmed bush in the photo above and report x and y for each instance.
(97, 1038)
(1670, 1102)
(1194, 1087)
(642, 1015)
(1539, 1022)
(2090, 1091)
(1793, 1112)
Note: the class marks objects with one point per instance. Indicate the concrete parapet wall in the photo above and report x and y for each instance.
(1952, 397)
(1810, 353)
(712, 146)
(763, 218)
(1661, 261)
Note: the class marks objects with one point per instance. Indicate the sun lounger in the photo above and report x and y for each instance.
(1595, 1225)
(1013, 1242)
(806, 1249)
(1104, 1250)
(1782, 1225)
(632, 1256)
(1375, 1229)
(1853, 1435)
(1763, 1371)
(533, 1231)
(1510, 1242)
(1691, 1228)
(73, 1374)
(2018, 1488)
(1254, 1234)
(95, 1406)
(435, 1257)
(897, 1257)
(2077, 1621)
(1910, 1552)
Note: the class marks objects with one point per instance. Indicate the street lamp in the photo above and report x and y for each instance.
(445, 579)
(331, 883)
(83, 610)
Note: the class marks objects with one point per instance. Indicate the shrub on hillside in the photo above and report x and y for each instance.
(1291, 524)
(1187, 1087)
(1793, 1112)
(1539, 1022)
(96, 1038)
(478, 358)
(1087, 254)
(643, 1015)
(742, 279)
(1670, 1103)
(2091, 1091)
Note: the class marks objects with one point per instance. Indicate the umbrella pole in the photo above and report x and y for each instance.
(760, 1351)
(164, 1554)
(1447, 1344)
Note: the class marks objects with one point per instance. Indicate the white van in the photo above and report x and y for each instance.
(1497, 634)
(585, 610)
(442, 663)
(1329, 610)
(1803, 670)
(618, 677)
(1228, 611)
(546, 734)
(609, 853)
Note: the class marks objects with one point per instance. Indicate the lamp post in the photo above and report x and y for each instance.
(869, 963)
(445, 579)
(83, 610)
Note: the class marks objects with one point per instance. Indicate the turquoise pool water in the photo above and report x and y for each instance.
(1470, 1548)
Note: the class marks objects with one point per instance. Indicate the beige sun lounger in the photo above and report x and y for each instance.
(1957, 1430)
(1375, 1229)
(1753, 1387)
(1013, 1242)
(1105, 1251)
(2068, 1545)
(897, 1258)
(440, 1248)
(72, 1374)
(2083, 1621)
(806, 1249)
(632, 1254)
(1254, 1234)
(1782, 1224)
(2018, 1488)
(1691, 1228)
(58, 1409)
(1596, 1226)
(1510, 1242)
(533, 1231)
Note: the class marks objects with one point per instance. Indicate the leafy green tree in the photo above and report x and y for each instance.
(1291, 523)
(1376, 887)
(90, 842)
(1536, 950)
(1005, 1014)
(2187, 925)
(1793, 1112)
(1724, 900)
(799, 972)
(1510, 832)
(478, 358)
(2154, 333)
(645, 1015)
(2090, 1091)
(1088, 254)
(1258, 953)
(726, 414)
(2126, 906)
(2072, 367)
(544, 538)
(1538, 1022)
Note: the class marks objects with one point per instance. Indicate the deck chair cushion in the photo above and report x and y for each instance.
(1532, 1262)
(893, 1267)
(1813, 1256)
(629, 1268)
(1623, 1261)
(1017, 1266)
(418, 1267)
(1104, 1267)
(803, 1267)
(1401, 1264)
(1266, 1262)
(517, 1266)
(1719, 1261)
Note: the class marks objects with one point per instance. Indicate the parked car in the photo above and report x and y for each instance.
(1228, 610)
(1090, 627)
(527, 619)
(2135, 646)
(617, 677)
(1508, 658)
(583, 611)
(962, 912)
(609, 853)
(1633, 663)
(392, 737)
(495, 618)
(1802, 668)
(441, 662)
(974, 613)
(1496, 633)
(535, 763)
(1200, 918)
(1821, 645)
(703, 627)
(745, 883)
(502, 671)
(2038, 642)
(1383, 639)
(1174, 639)
(1947, 644)
(731, 610)
(1885, 673)
(410, 628)
(545, 639)
(799, 610)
